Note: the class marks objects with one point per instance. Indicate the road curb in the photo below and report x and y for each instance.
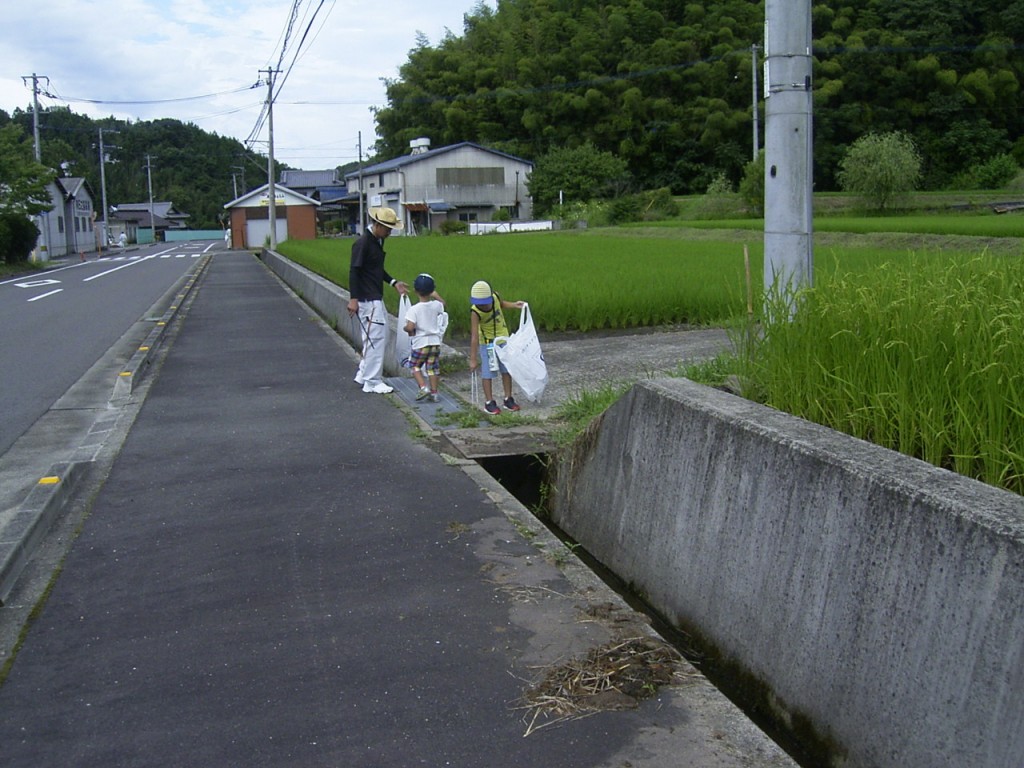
(135, 368)
(20, 537)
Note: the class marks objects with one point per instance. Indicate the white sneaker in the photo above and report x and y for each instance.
(380, 388)
(358, 380)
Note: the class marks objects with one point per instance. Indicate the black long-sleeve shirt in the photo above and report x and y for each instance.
(366, 274)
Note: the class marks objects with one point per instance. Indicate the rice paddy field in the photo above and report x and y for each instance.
(910, 337)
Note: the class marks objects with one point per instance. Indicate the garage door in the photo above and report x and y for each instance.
(258, 230)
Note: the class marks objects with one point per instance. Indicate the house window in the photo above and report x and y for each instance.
(78, 223)
(471, 216)
(470, 177)
(60, 224)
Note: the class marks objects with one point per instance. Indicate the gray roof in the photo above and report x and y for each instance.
(310, 179)
(163, 210)
(398, 162)
(72, 185)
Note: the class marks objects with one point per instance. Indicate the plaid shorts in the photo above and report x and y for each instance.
(426, 358)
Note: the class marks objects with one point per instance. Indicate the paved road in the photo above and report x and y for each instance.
(56, 324)
(276, 573)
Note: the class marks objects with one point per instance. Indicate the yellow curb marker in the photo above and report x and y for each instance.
(49, 480)
(125, 373)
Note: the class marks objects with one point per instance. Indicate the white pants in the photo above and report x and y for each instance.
(373, 320)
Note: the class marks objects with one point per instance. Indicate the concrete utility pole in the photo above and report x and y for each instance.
(788, 183)
(359, 224)
(35, 109)
(103, 189)
(241, 171)
(270, 157)
(43, 219)
(753, 77)
(149, 177)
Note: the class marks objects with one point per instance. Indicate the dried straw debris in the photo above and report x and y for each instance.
(614, 676)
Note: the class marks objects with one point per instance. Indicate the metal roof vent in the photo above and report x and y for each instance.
(419, 146)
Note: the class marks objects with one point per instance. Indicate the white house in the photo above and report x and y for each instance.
(464, 182)
(69, 228)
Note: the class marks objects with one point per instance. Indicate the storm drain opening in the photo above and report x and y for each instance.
(526, 478)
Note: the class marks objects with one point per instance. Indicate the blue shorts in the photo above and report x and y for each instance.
(485, 366)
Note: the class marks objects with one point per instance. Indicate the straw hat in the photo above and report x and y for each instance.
(385, 217)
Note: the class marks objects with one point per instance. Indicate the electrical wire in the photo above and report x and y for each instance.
(79, 99)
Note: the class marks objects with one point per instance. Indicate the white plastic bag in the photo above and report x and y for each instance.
(520, 353)
(403, 342)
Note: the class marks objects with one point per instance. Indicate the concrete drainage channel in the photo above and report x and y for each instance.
(525, 476)
(518, 458)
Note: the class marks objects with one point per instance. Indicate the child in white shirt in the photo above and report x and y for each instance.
(426, 322)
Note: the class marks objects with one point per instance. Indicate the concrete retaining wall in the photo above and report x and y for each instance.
(877, 596)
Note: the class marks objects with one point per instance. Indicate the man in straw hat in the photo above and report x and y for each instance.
(366, 278)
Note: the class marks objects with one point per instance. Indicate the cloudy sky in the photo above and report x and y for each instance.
(197, 60)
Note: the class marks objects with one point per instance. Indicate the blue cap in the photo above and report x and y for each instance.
(424, 284)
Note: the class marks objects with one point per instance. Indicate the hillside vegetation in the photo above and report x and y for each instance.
(668, 85)
(664, 87)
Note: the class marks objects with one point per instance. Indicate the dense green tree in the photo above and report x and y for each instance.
(577, 174)
(880, 168)
(190, 167)
(667, 86)
(22, 180)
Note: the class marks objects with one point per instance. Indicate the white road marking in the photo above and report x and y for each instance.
(115, 269)
(44, 295)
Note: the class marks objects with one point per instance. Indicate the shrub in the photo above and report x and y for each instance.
(880, 168)
(651, 205)
(18, 236)
(334, 226)
(995, 173)
(453, 227)
(720, 202)
(752, 185)
(596, 213)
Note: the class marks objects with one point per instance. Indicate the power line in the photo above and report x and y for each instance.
(151, 101)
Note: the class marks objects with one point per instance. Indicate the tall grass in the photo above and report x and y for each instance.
(921, 355)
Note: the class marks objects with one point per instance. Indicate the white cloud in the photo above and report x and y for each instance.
(147, 50)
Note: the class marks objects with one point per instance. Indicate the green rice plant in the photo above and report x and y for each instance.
(918, 352)
(572, 280)
(921, 355)
(981, 224)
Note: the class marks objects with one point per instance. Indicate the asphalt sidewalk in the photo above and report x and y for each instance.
(278, 572)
